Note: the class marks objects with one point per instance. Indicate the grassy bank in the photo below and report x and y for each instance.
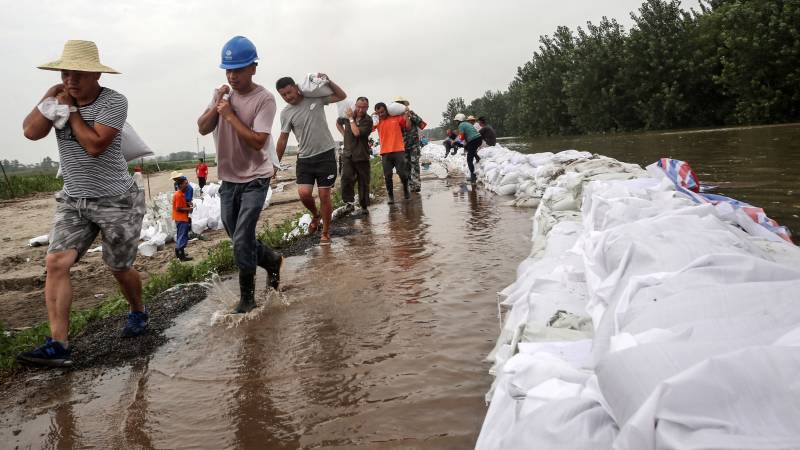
(26, 184)
(219, 260)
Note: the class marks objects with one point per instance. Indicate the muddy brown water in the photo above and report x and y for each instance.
(758, 165)
(376, 342)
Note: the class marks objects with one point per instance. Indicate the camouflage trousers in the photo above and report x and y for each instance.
(412, 168)
(78, 221)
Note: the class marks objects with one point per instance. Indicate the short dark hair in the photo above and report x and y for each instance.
(201, 159)
(380, 105)
(283, 82)
(481, 119)
(362, 98)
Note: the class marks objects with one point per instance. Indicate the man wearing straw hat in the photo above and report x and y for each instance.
(99, 194)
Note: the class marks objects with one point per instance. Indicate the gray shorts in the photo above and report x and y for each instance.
(119, 218)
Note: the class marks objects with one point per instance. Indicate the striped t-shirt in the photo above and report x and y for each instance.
(86, 176)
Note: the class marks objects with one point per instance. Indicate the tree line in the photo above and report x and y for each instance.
(731, 62)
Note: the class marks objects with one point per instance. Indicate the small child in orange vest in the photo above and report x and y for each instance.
(180, 214)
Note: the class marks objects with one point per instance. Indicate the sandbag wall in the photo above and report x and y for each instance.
(640, 320)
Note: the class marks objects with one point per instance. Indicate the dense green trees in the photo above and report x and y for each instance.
(730, 62)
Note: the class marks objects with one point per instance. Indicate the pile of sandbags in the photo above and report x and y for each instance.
(643, 320)
(158, 228)
(432, 155)
(526, 177)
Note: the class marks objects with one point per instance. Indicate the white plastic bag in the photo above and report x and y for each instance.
(395, 109)
(342, 106)
(39, 240)
(313, 86)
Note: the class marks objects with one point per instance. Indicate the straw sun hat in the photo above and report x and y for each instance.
(81, 56)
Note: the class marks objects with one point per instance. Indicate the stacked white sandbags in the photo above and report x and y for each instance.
(642, 320)
(440, 165)
(158, 227)
(207, 214)
(507, 172)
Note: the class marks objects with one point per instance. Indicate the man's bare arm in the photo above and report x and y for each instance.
(209, 119)
(338, 94)
(281, 146)
(254, 139)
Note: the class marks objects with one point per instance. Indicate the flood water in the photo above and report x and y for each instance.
(378, 342)
(758, 165)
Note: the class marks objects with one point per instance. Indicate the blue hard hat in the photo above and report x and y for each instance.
(238, 52)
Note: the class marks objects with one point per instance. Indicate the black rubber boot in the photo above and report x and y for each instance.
(271, 261)
(247, 293)
(183, 256)
(406, 191)
(389, 189)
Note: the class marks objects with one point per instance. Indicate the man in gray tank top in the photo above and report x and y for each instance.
(99, 194)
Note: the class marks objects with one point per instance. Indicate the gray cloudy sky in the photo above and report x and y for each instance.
(168, 52)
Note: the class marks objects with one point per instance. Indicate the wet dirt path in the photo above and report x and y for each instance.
(375, 342)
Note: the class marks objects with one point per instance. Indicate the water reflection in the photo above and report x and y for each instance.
(63, 432)
(758, 165)
(257, 421)
(380, 345)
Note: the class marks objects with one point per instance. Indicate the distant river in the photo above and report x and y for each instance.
(758, 165)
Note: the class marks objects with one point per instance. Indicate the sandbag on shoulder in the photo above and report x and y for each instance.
(132, 146)
(341, 107)
(395, 109)
(313, 86)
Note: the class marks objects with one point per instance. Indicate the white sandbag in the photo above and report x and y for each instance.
(395, 109)
(211, 189)
(341, 107)
(39, 240)
(147, 249)
(313, 86)
(199, 225)
(132, 146)
(267, 199)
(508, 189)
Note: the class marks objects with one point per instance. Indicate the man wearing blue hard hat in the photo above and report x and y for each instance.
(240, 116)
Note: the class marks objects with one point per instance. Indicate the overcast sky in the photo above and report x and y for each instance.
(168, 53)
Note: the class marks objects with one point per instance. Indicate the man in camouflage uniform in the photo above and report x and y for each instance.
(411, 140)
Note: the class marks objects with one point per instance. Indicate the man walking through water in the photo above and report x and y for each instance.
(99, 194)
(355, 129)
(316, 158)
(241, 121)
(473, 142)
(411, 141)
(390, 132)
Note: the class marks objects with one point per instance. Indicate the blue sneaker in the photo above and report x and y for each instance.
(136, 325)
(52, 354)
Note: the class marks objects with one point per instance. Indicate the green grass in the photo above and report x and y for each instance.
(24, 185)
